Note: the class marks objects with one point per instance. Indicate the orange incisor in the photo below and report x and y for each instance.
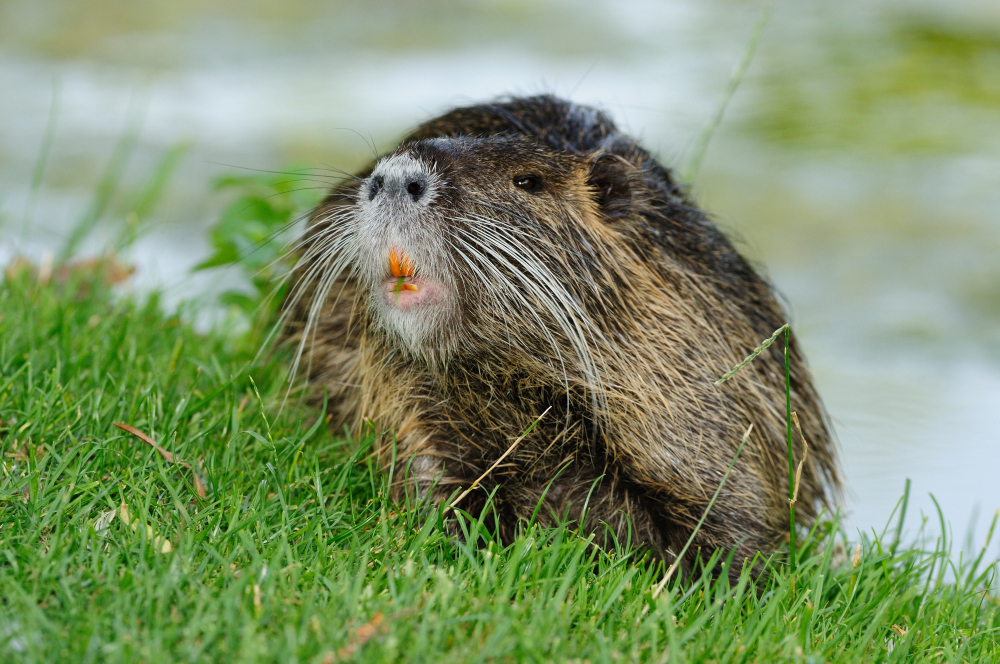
(401, 267)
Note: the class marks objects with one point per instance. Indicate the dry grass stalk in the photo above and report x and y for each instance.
(169, 457)
(680, 556)
(805, 455)
(496, 463)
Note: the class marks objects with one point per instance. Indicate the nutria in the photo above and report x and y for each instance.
(524, 255)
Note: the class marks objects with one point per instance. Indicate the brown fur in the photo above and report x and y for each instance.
(604, 294)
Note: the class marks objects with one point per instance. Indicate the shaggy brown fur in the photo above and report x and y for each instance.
(561, 266)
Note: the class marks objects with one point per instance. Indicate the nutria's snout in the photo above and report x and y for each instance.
(402, 248)
(400, 180)
(414, 185)
(397, 234)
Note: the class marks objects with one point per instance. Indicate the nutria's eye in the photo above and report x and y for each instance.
(528, 182)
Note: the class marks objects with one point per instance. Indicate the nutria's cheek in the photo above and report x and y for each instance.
(409, 293)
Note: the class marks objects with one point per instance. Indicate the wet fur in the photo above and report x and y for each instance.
(609, 297)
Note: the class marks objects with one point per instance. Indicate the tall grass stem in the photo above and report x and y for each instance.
(43, 158)
(791, 454)
(701, 147)
(108, 185)
(680, 556)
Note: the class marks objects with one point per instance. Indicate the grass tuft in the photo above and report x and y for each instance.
(295, 553)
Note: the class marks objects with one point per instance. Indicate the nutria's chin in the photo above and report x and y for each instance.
(417, 319)
(523, 255)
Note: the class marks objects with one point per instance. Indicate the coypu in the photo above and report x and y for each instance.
(521, 255)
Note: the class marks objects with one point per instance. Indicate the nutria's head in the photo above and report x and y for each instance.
(485, 244)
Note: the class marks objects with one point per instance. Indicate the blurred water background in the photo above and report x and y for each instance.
(859, 161)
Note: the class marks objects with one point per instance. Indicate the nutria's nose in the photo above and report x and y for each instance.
(401, 178)
(415, 188)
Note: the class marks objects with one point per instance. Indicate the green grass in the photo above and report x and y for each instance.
(296, 555)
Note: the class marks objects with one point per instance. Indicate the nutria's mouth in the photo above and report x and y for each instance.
(404, 290)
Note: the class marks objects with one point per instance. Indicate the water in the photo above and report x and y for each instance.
(859, 162)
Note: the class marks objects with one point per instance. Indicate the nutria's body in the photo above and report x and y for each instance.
(555, 265)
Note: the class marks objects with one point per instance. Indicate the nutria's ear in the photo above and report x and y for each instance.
(609, 176)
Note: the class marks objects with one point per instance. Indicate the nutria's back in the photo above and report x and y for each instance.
(525, 255)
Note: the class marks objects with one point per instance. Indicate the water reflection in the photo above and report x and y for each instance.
(859, 161)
